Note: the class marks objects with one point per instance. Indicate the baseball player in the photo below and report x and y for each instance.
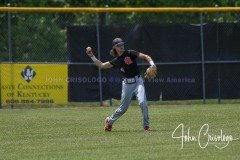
(132, 82)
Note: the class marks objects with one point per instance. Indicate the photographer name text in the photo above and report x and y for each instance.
(204, 137)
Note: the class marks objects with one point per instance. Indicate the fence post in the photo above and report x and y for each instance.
(218, 57)
(106, 16)
(99, 57)
(10, 57)
(9, 36)
(107, 23)
(203, 59)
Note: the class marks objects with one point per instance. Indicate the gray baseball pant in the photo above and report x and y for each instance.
(127, 93)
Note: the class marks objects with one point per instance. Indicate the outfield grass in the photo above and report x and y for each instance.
(77, 133)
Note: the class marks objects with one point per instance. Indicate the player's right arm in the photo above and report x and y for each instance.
(96, 61)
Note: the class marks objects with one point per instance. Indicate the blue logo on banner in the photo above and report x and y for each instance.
(28, 74)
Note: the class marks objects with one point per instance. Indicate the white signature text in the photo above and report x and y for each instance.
(204, 138)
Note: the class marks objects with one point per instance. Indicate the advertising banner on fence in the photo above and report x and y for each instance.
(34, 83)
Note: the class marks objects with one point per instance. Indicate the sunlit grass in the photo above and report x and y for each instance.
(77, 133)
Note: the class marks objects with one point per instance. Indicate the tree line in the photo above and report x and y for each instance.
(41, 37)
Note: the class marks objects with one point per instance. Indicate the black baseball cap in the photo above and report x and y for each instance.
(118, 42)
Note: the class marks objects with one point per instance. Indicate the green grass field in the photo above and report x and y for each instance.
(77, 133)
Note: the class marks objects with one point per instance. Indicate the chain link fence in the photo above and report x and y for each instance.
(43, 61)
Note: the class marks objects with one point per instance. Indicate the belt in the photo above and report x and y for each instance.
(131, 80)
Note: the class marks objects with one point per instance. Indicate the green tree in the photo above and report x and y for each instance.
(42, 36)
(3, 37)
(38, 38)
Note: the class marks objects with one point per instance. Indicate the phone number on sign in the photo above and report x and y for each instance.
(27, 101)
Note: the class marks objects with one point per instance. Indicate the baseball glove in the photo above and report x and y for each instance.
(151, 72)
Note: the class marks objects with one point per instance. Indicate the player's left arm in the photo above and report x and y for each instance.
(146, 58)
(142, 56)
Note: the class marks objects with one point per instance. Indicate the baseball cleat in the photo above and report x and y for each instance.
(146, 128)
(108, 126)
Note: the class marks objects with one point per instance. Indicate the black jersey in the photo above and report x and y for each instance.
(127, 63)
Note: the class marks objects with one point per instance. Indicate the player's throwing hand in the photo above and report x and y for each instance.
(89, 51)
